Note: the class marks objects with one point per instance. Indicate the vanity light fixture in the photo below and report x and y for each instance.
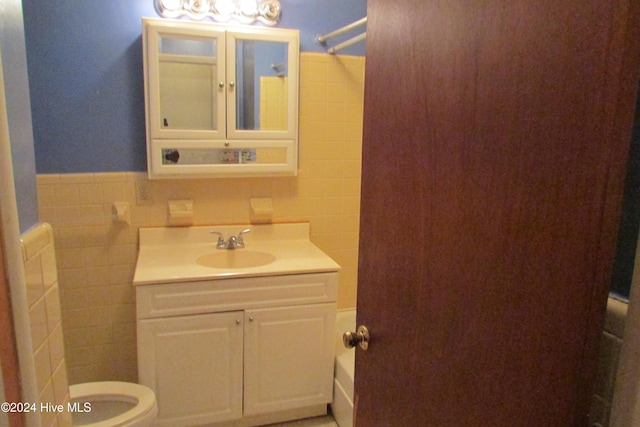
(245, 11)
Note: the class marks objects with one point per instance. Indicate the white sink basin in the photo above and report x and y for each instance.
(181, 254)
(236, 258)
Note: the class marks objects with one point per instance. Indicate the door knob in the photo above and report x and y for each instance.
(360, 337)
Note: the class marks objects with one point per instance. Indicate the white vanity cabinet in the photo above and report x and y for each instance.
(220, 100)
(242, 352)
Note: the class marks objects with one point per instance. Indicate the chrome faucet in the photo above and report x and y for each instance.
(234, 242)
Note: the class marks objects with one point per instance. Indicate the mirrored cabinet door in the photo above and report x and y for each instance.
(265, 72)
(186, 82)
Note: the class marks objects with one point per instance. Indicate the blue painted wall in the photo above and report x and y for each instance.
(85, 75)
(14, 65)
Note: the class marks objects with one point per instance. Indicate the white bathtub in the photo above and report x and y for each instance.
(342, 403)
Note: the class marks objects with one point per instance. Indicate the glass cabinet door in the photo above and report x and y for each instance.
(186, 83)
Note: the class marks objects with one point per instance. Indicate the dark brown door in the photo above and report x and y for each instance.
(496, 135)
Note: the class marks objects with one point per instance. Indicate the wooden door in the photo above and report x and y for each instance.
(496, 135)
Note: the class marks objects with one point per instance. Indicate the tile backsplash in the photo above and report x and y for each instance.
(97, 255)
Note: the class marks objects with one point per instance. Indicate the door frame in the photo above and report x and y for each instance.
(625, 408)
(16, 349)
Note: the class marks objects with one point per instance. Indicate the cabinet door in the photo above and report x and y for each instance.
(194, 365)
(186, 86)
(288, 357)
(262, 69)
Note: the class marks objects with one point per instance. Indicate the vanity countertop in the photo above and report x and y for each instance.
(171, 254)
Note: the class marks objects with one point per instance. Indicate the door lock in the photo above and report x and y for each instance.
(360, 337)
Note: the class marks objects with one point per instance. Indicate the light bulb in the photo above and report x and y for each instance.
(270, 10)
(245, 11)
(171, 5)
(249, 7)
(199, 6)
(224, 7)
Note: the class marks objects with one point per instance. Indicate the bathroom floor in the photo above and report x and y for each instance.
(324, 421)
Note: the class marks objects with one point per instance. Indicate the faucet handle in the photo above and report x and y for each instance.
(220, 243)
(240, 239)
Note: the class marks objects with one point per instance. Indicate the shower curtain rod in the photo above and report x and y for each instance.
(322, 39)
(347, 43)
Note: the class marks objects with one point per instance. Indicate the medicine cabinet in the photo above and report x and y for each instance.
(220, 100)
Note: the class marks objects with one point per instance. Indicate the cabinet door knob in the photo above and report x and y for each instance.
(250, 318)
(221, 85)
(238, 321)
(232, 85)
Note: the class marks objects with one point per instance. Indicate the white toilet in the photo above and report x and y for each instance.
(112, 404)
